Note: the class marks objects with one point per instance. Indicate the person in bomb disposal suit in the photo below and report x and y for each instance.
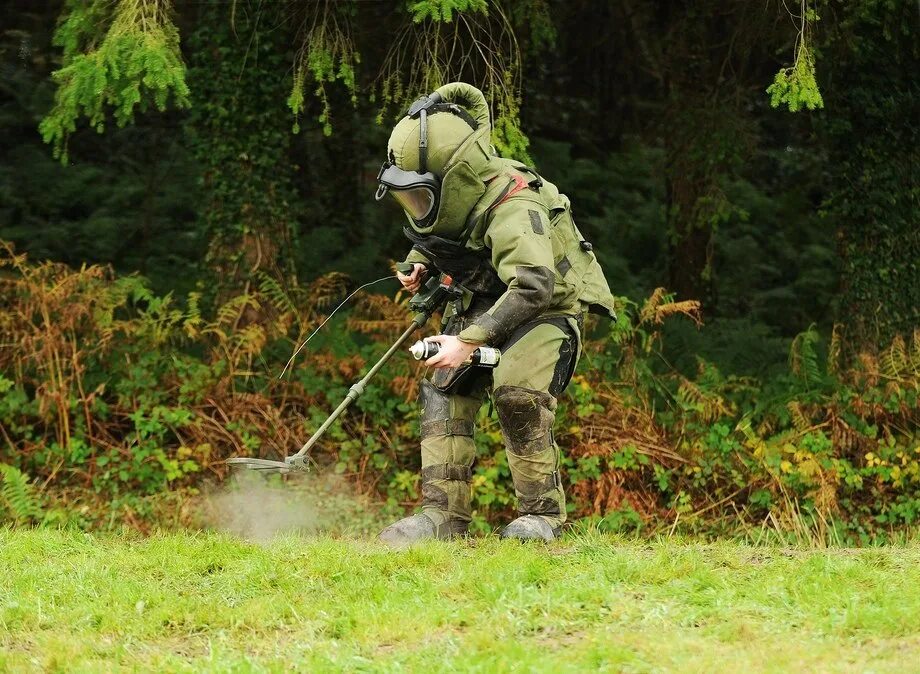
(507, 237)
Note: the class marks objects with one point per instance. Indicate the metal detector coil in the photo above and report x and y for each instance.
(259, 464)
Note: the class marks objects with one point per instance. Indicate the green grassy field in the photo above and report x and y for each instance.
(73, 602)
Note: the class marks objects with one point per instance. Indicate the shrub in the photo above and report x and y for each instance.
(112, 390)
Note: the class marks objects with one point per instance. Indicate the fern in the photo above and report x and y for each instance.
(803, 357)
(835, 350)
(193, 317)
(708, 406)
(658, 297)
(249, 340)
(19, 496)
(894, 360)
(231, 311)
(377, 314)
(623, 330)
(661, 304)
(915, 352)
(744, 427)
(277, 296)
(325, 290)
(800, 420)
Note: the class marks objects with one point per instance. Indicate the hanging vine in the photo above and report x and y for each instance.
(447, 40)
(796, 86)
(134, 63)
(327, 53)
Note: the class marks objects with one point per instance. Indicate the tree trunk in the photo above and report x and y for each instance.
(240, 132)
(689, 237)
(874, 196)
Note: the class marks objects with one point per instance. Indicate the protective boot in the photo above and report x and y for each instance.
(530, 527)
(526, 418)
(410, 530)
(448, 451)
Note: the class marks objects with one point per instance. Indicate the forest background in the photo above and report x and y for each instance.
(186, 192)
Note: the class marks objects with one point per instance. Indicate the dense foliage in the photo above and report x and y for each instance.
(874, 151)
(126, 394)
(238, 179)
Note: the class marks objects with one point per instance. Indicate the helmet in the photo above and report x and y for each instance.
(438, 159)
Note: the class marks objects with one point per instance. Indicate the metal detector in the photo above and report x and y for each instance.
(436, 293)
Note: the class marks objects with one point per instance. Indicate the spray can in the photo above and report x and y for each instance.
(484, 356)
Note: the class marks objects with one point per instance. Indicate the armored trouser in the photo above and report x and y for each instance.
(536, 365)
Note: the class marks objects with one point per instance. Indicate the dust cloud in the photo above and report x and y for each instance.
(259, 506)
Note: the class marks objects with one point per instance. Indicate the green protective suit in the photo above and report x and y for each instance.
(507, 236)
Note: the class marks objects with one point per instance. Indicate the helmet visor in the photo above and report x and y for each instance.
(416, 192)
(418, 202)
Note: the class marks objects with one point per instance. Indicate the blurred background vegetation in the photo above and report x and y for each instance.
(192, 184)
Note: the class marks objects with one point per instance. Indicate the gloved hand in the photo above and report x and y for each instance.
(413, 281)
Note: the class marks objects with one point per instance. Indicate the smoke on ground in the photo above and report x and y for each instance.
(258, 506)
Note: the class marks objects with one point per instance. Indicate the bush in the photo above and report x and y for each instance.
(115, 391)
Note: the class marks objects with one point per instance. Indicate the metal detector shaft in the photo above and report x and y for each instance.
(432, 298)
(298, 460)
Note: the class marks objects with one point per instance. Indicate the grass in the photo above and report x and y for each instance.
(74, 602)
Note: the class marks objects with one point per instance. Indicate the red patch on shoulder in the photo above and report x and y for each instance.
(519, 184)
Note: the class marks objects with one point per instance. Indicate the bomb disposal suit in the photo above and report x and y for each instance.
(507, 237)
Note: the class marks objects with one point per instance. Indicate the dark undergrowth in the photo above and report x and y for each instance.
(119, 405)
